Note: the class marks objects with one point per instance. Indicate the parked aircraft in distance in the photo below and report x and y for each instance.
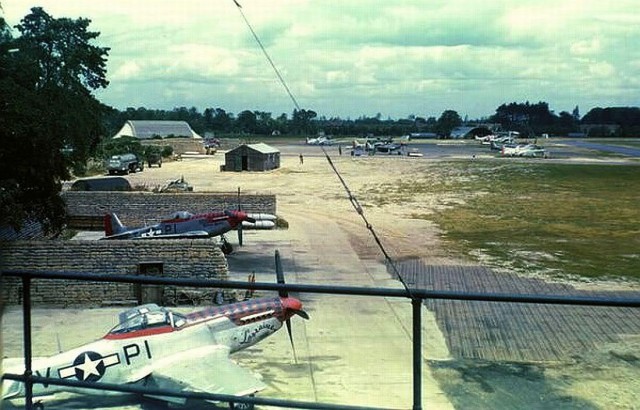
(523, 150)
(497, 143)
(155, 347)
(486, 139)
(319, 141)
(185, 225)
(390, 148)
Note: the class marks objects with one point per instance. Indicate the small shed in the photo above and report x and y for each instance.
(252, 157)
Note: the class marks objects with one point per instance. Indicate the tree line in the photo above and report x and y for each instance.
(530, 119)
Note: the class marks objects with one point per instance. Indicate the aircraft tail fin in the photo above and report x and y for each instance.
(112, 225)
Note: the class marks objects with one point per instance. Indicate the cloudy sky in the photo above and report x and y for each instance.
(351, 58)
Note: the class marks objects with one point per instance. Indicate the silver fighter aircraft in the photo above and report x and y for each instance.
(155, 347)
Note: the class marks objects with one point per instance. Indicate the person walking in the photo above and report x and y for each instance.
(301, 159)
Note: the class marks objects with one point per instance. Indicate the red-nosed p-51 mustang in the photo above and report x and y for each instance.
(184, 224)
(156, 347)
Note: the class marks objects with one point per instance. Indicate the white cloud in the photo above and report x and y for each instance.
(126, 71)
(602, 69)
(586, 47)
(353, 58)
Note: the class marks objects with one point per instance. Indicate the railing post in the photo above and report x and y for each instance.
(26, 328)
(417, 353)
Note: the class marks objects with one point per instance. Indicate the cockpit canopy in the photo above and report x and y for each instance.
(147, 316)
(181, 215)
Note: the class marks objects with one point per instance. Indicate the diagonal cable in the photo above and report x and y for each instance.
(352, 198)
(358, 208)
(264, 50)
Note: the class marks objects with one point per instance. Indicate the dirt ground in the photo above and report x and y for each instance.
(312, 188)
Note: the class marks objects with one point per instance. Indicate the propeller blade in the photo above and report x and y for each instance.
(280, 275)
(250, 219)
(301, 313)
(240, 234)
(293, 347)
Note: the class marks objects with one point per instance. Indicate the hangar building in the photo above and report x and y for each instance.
(469, 132)
(252, 157)
(153, 129)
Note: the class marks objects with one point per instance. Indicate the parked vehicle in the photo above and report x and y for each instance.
(154, 158)
(124, 164)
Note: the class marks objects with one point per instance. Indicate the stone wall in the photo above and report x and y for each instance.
(86, 209)
(201, 259)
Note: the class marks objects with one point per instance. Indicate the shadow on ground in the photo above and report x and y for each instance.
(499, 385)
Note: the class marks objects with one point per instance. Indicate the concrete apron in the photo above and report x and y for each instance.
(355, 350)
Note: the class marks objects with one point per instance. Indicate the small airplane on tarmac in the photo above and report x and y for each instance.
(158, 348)
(185, 225)
(319, 141)
(523, 150)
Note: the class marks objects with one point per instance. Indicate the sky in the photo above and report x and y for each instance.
(350, 59)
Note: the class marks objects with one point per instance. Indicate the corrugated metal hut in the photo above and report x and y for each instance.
(252, 157)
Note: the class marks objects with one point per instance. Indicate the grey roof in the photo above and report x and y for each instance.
(263, 148)
(461, 132)
(150, 129)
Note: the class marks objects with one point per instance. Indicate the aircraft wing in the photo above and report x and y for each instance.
(206, 369)
(132, 233)
(182, 235)
(124, 235)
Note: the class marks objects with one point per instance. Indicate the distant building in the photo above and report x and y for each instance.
(156, 129)
(252, 157)
(470, 132)
(599, 130)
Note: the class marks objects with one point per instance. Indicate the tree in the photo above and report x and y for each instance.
(447, 122)
(576, 113)
(526, 117)
(49, 120)
(301, 121)
(246, 121)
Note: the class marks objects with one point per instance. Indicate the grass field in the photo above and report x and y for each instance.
(538, 217)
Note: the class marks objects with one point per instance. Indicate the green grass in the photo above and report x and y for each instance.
(537, 217)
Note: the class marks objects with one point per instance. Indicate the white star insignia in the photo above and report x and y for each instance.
(89, 367)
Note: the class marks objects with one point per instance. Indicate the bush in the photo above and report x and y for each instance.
(167, 151)
(123, 145)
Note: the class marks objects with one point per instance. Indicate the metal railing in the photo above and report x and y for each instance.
(417, 296)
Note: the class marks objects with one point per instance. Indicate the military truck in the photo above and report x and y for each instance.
(124, 164)
(154, 158)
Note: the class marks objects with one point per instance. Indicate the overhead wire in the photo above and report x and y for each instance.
(264, 51)
(352, 198)
(356, 205)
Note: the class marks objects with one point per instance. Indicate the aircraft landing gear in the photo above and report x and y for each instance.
(226, 246)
